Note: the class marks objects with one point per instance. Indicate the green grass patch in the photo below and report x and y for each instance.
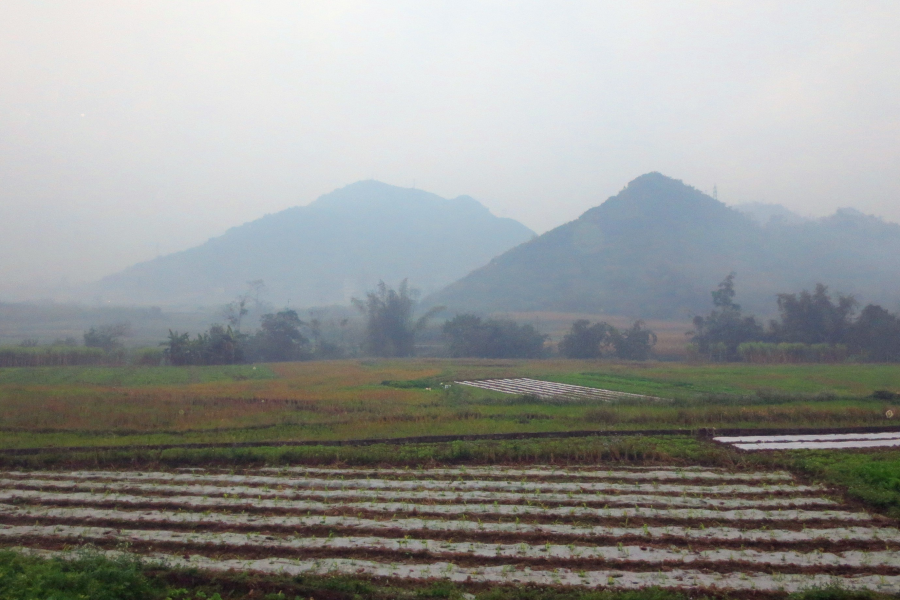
(682, 381)
(871, 477)
(131, 376)
(90, 575)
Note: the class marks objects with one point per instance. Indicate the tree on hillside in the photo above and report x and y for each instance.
(718, 335)
(469, 335)
(390, 328)
(584, 340)
(813, 318)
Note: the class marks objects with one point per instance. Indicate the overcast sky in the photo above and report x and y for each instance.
(129, 129)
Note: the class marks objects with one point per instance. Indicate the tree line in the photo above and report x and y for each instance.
(391, 329)
(586, 340)
(102, 347)
(812, 326)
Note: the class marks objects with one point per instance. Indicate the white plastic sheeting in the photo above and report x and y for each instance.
(834, 441)
(550, 389)
(686, 528)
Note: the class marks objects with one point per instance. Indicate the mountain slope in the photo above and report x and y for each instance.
(338, 246)
(658, 247)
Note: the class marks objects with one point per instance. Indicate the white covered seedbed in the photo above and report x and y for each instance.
(621, 528)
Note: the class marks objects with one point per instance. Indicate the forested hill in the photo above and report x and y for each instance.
(338, 246)
(658, 247)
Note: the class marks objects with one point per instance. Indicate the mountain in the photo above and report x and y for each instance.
(338, 246)
(659, 247)
(770, 214)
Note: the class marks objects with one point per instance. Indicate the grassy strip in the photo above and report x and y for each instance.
(662, 450)
(871, 477)
(132, 376)
(141, 421)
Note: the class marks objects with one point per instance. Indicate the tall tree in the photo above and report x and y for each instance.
(279, 337)
(875, 335)
(220, 346)
(634, 343)
(390, 328)
(718, 334)
(584, 340)
(814, 318)
(179, 349)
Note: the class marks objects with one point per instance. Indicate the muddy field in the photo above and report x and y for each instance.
(624, 528)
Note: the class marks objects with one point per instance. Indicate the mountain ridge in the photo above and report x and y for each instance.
(659, 246)
(339, 245)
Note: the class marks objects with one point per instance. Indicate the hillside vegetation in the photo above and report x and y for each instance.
(657, 247)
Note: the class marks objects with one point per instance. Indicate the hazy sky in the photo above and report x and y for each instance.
(132, 128)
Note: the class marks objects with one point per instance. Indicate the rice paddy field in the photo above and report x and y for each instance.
(237, 481)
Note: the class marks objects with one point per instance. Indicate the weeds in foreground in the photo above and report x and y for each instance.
(89, 575)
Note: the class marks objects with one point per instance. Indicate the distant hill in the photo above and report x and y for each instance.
(339, 246)
(658, 247)
(770, 214)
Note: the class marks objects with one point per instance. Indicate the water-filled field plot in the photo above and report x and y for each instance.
(834, 441)
(550, 389)
(623, 528)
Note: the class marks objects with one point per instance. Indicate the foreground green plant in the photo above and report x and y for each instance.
(871, 477)
(89, 575)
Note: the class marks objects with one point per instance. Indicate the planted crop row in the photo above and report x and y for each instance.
(486, 510)
(612, 578)
(762, 532)
(652, 475)
(423, 526)
(426, 484)
(631, 554)
(425, 496)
